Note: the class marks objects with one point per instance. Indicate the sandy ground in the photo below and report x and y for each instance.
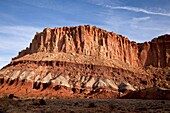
(84, 106)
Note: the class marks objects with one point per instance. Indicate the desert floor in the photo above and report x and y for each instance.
(84, 106)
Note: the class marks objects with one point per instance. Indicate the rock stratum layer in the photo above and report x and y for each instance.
(86, 62)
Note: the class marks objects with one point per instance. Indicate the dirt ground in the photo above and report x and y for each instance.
(84, 106)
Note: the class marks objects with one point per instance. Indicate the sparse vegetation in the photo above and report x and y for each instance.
(83, 105)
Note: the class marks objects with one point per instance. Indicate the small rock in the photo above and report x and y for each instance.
(42, 102)
(11, 96)
(163, 102)
(75, 104)
(92, 105)
(124, 86)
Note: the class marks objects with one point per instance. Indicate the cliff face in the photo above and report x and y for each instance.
(84, 40)
(156, 52)
(85, 62)
(93, 41)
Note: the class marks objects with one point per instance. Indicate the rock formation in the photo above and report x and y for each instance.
(156, 52)
(86, 62)
(93, 41)
(149, 93)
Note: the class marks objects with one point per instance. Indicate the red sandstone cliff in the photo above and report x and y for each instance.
(86, 62)
(84, 40)
(156, 52)
(93, 41)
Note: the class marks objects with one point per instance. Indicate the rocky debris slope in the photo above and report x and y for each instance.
(150, 93)
(86, 62)
(65, 80)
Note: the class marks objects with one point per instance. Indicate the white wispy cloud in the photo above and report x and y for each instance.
(4, 15)
(46, 4)
(135, 9)
(141, 18)
(16, 36)
(22, 31)
(14, 39)
(139, 29)
(135, 28)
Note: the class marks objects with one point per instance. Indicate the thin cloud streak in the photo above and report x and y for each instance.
(141, 18)
(22, 31)
(135, 9)
(18, 38)
(11, 45)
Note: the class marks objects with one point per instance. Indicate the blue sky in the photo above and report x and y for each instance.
(139, 20)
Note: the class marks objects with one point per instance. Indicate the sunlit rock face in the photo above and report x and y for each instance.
(86, 62)
(92, 41)
(156, 52)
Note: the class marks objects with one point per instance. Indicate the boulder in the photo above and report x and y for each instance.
(124, 86)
